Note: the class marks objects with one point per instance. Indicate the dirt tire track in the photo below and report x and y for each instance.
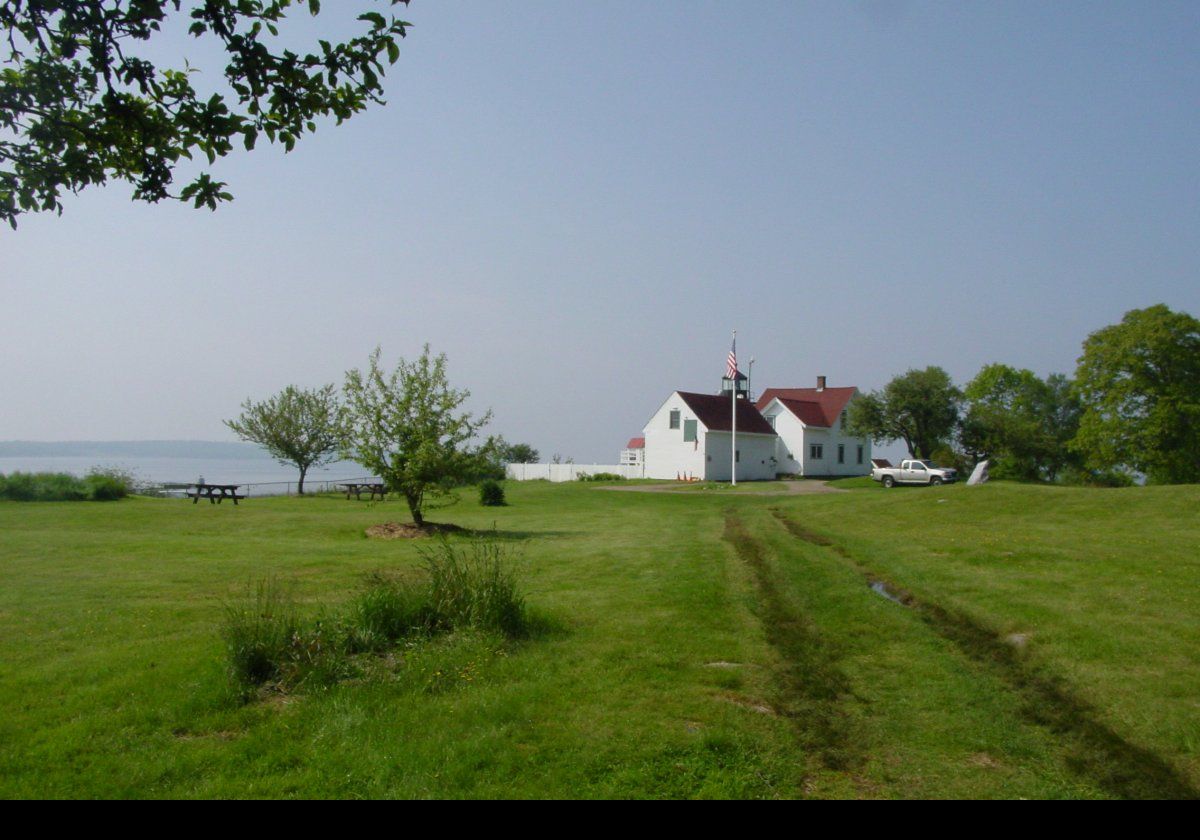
(1093, 749)
(812, 687)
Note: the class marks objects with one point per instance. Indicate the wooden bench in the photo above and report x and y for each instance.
(358, 488)
(215, 493)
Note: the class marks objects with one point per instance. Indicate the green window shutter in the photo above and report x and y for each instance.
(689, 430)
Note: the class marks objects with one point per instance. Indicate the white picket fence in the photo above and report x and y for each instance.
(569, 472)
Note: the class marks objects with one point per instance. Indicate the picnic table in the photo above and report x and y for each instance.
(215, 493)
(359, 487)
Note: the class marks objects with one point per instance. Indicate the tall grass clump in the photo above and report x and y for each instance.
(258, 632)
(475, 587)
(388, 610)
(269, 646)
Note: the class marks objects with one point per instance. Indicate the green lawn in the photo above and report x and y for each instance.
(700, 644)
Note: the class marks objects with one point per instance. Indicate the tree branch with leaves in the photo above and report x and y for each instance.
(80, 107)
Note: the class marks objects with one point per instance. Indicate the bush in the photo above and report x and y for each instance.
(491, 494)
(43, 487)
(99, 485)
(600, 476)
(108, 484)
(1097, 478)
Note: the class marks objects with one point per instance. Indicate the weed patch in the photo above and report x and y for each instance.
(461, 590)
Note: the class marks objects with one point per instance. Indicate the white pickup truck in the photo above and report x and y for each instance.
(913, 472)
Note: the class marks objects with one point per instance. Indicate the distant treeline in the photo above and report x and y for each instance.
(129, 449)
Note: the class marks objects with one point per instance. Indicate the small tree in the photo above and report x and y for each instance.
(919, 407)
(298, 427)
(406, 426)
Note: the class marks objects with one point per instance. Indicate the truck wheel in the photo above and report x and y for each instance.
(936, 480)
(888, 481)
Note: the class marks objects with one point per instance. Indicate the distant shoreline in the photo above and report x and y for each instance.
(206, 449)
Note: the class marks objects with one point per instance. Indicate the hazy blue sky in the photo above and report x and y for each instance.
(578, 201)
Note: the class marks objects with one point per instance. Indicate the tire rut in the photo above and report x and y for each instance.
(1092, 749)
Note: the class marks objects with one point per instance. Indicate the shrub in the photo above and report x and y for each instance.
(108, 484)
(258, 632)
(600, 476)
(491, 494)
(43, 487)
(99, 485)
(475, 588)
(1097, 478)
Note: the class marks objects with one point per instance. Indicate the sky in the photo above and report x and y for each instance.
(578, 202)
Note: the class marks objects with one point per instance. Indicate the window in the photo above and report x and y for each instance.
(771, 420)
(675, 418)
(843, 419)
(737, 456)
(841, 453)
(860, 454)
(689, 430)
(816, 451)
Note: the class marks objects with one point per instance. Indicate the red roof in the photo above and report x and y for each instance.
(813, 407)
(636, 443)
(713, 411)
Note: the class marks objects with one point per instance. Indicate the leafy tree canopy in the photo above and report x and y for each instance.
(1024, 421)
(1139, 382)
(520, 453)
(298, 427)
(79, 105)
(919, 407)
(407, 426)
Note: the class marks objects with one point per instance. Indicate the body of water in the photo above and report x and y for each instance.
(266, 476)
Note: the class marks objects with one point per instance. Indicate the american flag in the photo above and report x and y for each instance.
(731, 362)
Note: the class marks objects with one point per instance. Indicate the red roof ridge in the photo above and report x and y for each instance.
(827, 402)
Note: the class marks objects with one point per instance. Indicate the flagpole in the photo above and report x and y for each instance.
(733, 422)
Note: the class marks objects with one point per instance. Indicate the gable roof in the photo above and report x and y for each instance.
(813, 407)
(713, 411)
(636, 443)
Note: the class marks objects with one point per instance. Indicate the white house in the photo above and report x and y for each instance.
(690, 436)
(633, 455)
(799, 431)
(810, 423)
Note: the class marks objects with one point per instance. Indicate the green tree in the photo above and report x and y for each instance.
(298, 427)
(520, 453)
(407, 427)
(1023, 421)
(1139, 382)
(919, 407)
(80, 104)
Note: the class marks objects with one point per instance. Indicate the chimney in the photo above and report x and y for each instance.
(820, 383)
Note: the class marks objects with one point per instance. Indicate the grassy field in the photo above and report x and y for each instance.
(1039, 642)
